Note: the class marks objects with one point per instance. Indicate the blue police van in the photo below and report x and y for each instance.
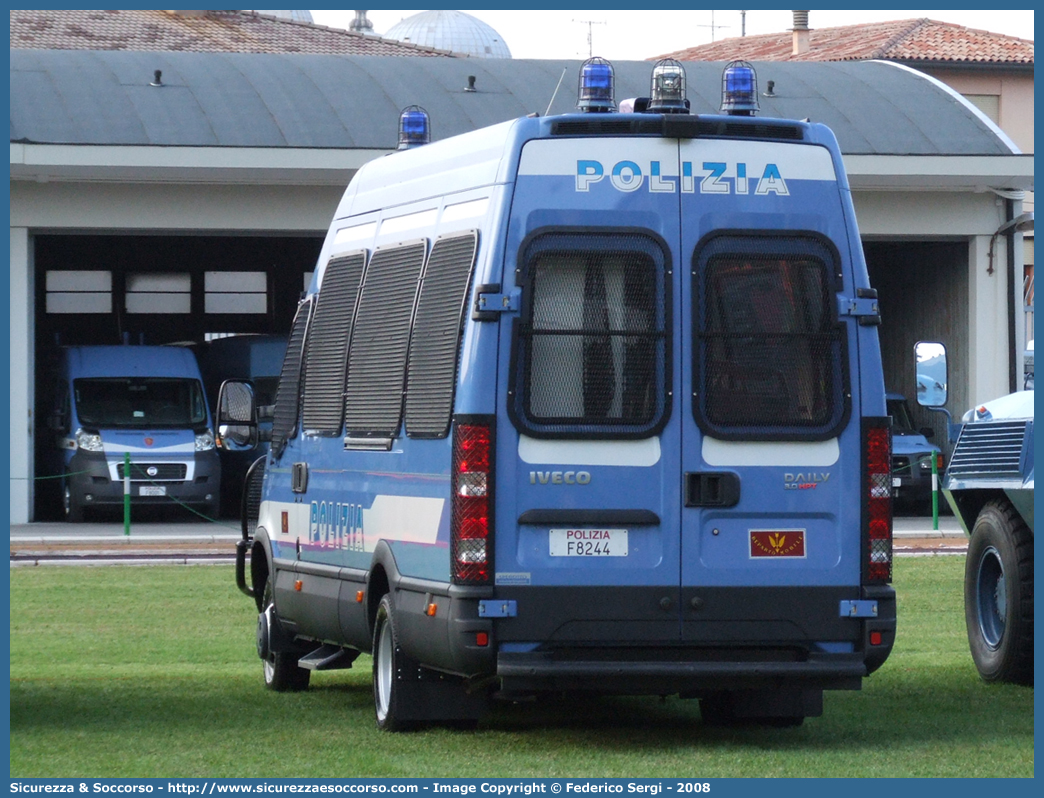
(588, 402)
(144, 404)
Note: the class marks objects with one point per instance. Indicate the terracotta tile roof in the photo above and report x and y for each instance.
(908, 40)
(209, 32)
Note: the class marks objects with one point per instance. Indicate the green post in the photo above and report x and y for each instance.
(126, 493)
(935, 491)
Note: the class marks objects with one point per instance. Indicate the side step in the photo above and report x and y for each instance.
(328, 658)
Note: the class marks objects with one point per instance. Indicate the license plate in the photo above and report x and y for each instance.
(588, 542)
(152, 490)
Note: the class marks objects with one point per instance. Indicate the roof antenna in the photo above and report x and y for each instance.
(556, 91)
(157, 78)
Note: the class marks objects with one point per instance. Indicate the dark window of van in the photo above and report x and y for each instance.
(592, 354)
(108, 402)
(768, 350)
(288, 394)
(326, 351)
(380, 340)
(435, 343)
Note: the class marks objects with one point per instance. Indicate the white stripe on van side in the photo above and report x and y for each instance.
(465, 210)
(361, 232)
(410, 221)
(644, 452)
(410, 519)
(720, 453)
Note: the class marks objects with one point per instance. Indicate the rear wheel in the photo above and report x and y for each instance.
(280, 668)
(998, 595)
(389, 667)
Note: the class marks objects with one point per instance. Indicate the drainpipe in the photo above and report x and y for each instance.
(1013, 352)
(1015, 224)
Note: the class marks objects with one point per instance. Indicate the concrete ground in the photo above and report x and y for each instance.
(192, 542)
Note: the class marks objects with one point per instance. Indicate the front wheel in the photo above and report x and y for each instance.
(280, 668)
(72, 506)
(998, 595)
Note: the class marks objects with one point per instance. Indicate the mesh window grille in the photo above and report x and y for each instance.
(380, 339)
(592, 346)
(435, 342)
(768, 347)
(288, 394)
(326, 352)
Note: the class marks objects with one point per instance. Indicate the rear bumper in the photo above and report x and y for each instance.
(541, 671)
(633, 641)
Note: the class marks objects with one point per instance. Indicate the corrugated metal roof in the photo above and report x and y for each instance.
(908, 40)
(316, 101)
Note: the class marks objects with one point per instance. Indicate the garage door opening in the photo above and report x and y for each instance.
(155, 290)
(923, 291)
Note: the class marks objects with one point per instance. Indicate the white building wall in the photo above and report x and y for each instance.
(21, 383)
(182, 208)
(927, 214)
(987, 319)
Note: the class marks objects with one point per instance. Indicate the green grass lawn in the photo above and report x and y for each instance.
(151, 672)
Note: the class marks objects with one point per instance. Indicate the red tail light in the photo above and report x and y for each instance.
(877, 500)
(471, 522)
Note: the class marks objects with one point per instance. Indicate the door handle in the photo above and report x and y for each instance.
(711, 489)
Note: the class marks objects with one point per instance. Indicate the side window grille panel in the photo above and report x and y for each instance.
(435, 342)
(326, 352)
(288, 394)
(380, 340)
(769, 350)
(592, 347)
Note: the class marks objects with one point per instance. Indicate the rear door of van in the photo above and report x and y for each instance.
(589, 422)
(675, 458)
(770, 464)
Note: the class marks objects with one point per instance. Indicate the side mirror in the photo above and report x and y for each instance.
(930, 357)
(237, 416)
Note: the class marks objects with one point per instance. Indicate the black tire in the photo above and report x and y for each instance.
(998, 595)
(389, 665)
(73, 508)
(280, 669)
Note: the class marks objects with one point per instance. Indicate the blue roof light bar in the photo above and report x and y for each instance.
(595, 93)
(739, 89)
(414, 127)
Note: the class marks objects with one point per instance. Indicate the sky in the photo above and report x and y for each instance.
(620, 35)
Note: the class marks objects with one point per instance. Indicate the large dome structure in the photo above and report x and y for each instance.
(451, 30)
